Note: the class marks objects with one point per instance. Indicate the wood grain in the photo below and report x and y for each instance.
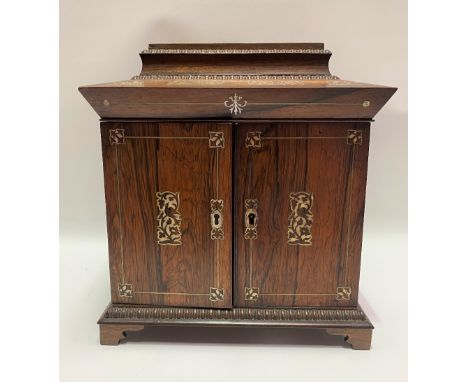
(289, 161)
(359, 339)
(113, 334)
(135, 100)
(295, 82)
(178, 275)
(234, 63)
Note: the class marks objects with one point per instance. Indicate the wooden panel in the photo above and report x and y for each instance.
(279, 100)
(327, 163)
(160, 179)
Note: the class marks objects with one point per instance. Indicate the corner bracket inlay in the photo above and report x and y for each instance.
(253, 139)
(354, 137)
(125, 290)
(343, 293)
(216, 294)
(117, 136)
(216, 140)
(251, 294)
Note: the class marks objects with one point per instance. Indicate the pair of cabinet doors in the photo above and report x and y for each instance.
(248, 214)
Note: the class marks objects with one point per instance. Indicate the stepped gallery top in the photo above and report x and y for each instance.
(237, 81)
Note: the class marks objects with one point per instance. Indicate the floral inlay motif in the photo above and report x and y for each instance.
(301, 218)
(169, 218)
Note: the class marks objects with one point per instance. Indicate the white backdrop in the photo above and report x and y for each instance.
(100, 42)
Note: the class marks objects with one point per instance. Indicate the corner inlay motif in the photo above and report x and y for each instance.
(125, 290)
(216, 139)
(343, 293)
(117, 136)
(354, 137)
(253, 139)
(216, 294)
(251, 294)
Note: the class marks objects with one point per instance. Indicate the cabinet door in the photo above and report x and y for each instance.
(299, 204)
(168, 198)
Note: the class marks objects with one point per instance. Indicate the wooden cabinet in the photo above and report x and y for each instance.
(235, 180)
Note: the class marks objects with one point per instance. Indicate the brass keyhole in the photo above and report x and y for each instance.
(216, 219)
(251, 217)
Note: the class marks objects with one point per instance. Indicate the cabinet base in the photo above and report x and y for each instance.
(351, 323)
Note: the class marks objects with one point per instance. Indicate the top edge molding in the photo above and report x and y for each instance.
(234, 51)
(236, 77)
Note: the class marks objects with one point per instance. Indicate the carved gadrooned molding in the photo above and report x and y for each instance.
(227, 77)
(235, 51)
(237, 314)
(297, 61)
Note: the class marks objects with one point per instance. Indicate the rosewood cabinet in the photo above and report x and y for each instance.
(235, 179)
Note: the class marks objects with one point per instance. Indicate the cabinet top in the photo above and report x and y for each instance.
(227, 62)
(291, 80)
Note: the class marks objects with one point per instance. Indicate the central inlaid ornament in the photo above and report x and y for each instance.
(301, 218)
(169, 218)
(235, 104)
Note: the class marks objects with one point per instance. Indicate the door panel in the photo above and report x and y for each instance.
(299, 205)
(168, 197)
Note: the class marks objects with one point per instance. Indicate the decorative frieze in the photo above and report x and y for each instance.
(157, 314)
(233, 51)
(236, 77)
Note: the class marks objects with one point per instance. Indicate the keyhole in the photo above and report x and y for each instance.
(216, 219)
(251, 217)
